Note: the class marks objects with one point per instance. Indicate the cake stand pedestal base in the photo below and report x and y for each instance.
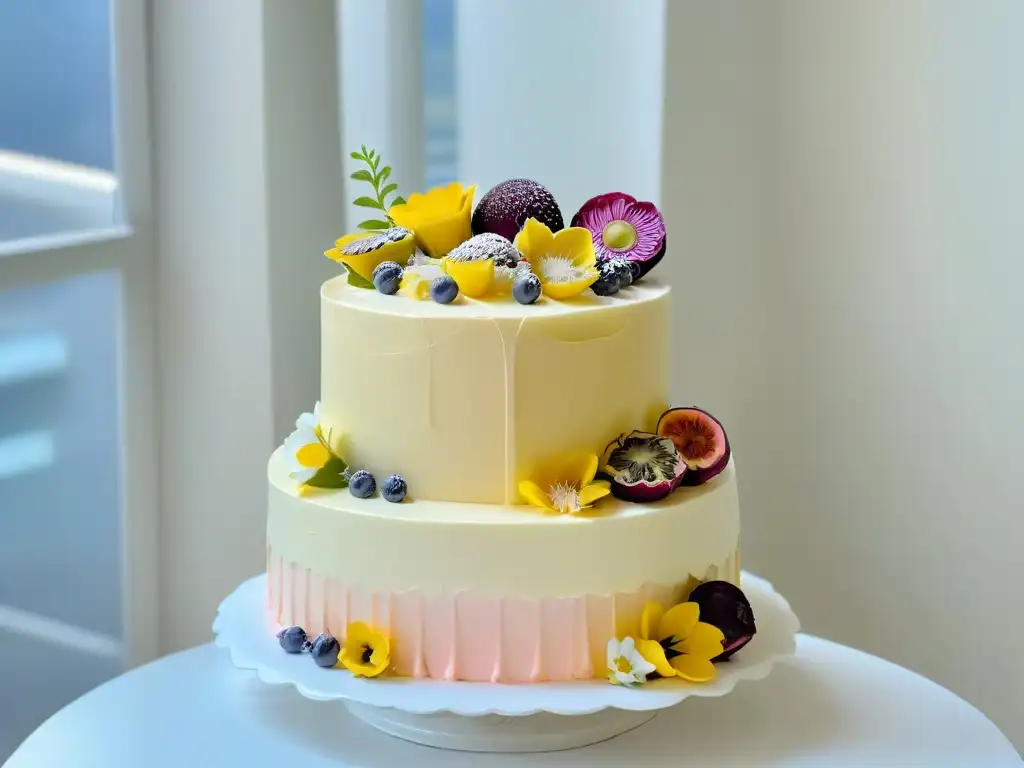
(541, 732)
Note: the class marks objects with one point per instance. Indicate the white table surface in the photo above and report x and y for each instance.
(828, 705)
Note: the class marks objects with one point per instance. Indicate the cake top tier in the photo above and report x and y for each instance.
(494, 355)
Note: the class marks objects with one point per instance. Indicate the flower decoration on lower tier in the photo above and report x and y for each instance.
(624, 228)
(564, 261)
(313, 463)
(687, 640)
(677, 643)
(626, 665)
(440, 218)
(567, 486)
(366, 652)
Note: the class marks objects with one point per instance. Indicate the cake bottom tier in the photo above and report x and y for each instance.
(463, 636)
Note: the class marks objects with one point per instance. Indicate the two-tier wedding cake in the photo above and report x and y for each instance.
(494, 485)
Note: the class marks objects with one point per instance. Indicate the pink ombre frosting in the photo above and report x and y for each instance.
(463, 636)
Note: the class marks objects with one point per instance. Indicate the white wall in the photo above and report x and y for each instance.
(876, 377)
(571, 112)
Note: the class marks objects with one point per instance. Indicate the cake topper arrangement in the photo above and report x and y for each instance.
(435, 245)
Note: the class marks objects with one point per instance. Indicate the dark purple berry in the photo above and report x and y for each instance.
(723, 605)
(608, 283)
(394, 489)
(325, 650)
(387, 276)
(623, 270)
(292, 639)
(362, 484)
(526, 288)
(444, 289)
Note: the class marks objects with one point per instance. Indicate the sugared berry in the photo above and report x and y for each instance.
(387, 277)
(623, 270)
(292, 639)
(608, 283)
(444, 289)
(634, 269)
(362, 484)
(526, 288)
(394, 489)
(325, 651)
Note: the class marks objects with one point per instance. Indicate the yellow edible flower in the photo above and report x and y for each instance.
(440, 219)
(677, 643)
(565, 261)
(367, 652)
(384, 250)
(566, 487)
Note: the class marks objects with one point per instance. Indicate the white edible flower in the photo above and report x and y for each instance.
(625, 664)
(306, 450)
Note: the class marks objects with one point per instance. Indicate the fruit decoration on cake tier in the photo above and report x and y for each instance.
(423, 581)
(435, 246)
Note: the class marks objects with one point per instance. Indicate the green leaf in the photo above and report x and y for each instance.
(357, 280)
(384, 173)
(398, 201)
(362, 175)
(374, 224)
(367, 202)
(356, 156)
(330, 475)
(363, 147)
(388, 190)
(374, 162)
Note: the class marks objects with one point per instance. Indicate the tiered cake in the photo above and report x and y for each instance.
(479, 494)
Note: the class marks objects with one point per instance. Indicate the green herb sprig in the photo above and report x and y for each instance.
(377, 177)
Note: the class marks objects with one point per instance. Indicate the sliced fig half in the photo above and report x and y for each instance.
(700, 439)
(723, 604)
(643, 467)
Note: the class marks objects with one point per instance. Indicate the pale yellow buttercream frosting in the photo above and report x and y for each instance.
(497, 550)
(465, 400)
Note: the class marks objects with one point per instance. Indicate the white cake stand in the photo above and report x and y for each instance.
(491, 717)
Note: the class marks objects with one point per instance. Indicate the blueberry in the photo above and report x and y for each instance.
(608, 283)
(387, 276)
(325, 650)
(444, 289)
(362, 484)
(526, 288)
(292, 639)
(394, 489)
